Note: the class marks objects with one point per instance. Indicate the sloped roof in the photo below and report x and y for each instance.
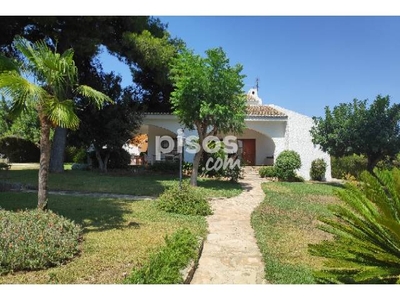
(252, 111)
(263, 111)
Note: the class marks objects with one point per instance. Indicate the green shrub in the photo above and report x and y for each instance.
(389, 162)
(348, 165)
(119, 159)
(267, 171)
(187, 168)
(80, 167)
(186, 201)
(33, 239)
(4, 166)
(19, 150)
(318, 169)
(75, 155)
(165, 167)
(165, 265)
(366, 231)
(232, 173)
(286, 164)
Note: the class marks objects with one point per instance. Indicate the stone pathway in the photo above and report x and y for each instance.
(230, 253)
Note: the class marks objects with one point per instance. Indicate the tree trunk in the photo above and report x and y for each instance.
(372, 161)
(196, 163)
(99, 160)
(106, 162)
(58, 150)
(45, 148)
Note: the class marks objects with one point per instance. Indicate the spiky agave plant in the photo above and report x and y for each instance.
(366, 231)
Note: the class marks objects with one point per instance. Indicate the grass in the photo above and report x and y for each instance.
(140, 185)
(119, 236)
(285, 223)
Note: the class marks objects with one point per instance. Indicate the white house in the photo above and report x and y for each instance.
(270, 129)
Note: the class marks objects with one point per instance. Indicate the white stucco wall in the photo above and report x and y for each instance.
(292, 133)
(272, 128)
(265, 145)
(298, 138)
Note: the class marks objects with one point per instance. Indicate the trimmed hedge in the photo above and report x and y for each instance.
(165, 167)
(286, 164)
(19, 150)
(34, 239)
(267, 171)
(318, 169)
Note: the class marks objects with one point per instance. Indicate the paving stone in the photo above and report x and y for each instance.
(230, 254)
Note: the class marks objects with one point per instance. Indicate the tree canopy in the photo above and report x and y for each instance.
(140, 41)
(55, 79)
(208, 96)
(356, 128)
(108, 129)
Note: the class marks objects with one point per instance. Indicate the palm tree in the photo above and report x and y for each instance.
(55, 83)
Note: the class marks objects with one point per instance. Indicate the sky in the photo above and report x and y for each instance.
(303, 63)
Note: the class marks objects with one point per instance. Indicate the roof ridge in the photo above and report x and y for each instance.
(252, 110)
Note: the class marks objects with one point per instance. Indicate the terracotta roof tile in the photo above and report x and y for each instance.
(252, 111)
(263, 111)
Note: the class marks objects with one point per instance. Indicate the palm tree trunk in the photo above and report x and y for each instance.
(58, 150)
(45, 148)
(195, 171)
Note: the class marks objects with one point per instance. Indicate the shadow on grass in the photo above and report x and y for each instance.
(93, 214)
(215, 184)
(146, 184)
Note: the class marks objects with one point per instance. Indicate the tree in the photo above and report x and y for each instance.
(108, 129)
(85, 34)
(153, 56)
(208, 96)
(355, 128)
(55, 76)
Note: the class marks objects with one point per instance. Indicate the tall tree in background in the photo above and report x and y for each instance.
(355, 128)
(208, 96)
(108, 129)
(86, 35)
(55, 77)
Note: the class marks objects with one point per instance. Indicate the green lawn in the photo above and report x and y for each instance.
(285, 223)
(119, 235)
(135, 184)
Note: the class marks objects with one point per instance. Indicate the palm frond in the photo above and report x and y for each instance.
(61, 113)
(21, 91)
(7, 65)
(98, 98)
(366, 230)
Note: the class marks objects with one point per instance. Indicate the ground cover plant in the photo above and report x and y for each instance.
(285, 223)
(165, 265)
(34, 239)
